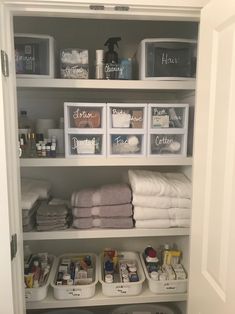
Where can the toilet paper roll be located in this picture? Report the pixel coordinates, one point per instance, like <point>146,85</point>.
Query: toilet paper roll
<point>42,126</point>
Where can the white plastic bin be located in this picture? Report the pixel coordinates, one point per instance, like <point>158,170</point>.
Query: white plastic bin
<point>65,292</point>
<point>40,293</point>
<point>120,288</point>
<point>166,286</point>
<point>146,309</point>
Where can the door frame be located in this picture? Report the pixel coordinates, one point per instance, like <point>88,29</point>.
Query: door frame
<point>171,10</point>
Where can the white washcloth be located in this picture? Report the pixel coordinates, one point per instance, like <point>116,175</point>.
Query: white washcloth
<point>160,201</point>
<point>28,200</point>
<point>145,213</point>
<point>162,223</point>
<point>39,187</point>
<point>145,182</point>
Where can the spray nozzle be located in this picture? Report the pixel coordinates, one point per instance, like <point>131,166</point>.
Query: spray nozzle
<point>111,42</point>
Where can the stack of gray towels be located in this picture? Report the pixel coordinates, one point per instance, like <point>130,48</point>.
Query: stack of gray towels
<point>160,199</point>
<point>33,192</point>
<point>52,216</point>
<point>108,206</point>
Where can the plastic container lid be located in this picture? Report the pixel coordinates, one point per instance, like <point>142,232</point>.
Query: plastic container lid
<point>108,278</point>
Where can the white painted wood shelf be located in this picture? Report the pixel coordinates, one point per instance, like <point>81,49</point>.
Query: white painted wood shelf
<point>103,161</point>
<point>104,233</point>
<point>188,84</point>
<point>99,299</point>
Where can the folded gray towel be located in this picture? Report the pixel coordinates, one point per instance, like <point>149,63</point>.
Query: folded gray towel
<point>112,194</point>
<point>123,210</point>
<point>46,210</point>
<point>119,223</point>
<point>52,227</point>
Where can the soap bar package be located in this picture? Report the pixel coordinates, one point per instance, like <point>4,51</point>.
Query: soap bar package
<point>74,63</point>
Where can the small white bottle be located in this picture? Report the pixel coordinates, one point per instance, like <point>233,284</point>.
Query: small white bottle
<point>99,67</point>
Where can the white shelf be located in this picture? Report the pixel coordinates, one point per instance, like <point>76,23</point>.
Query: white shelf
<point>104,233</point>
<point>106,84</point>
<point>103,161</point>
<point>99,299</point>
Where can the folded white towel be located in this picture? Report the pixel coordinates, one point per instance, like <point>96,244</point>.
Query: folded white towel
<point>162,223</point>
<point>145,213</point>
<point>145,182</point>
<point>39,187</point>
<point>160,201</point>
<point>28,200</point>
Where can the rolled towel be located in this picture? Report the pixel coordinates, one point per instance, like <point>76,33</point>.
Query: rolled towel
<point>112,194</point>
<point>123,210</point>
<point>145,213</point>
<point>160,201</point>
<point>145,182</point>
<point>117,223</point>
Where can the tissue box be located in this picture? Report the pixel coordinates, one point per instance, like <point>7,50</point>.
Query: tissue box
<point>74,63</point>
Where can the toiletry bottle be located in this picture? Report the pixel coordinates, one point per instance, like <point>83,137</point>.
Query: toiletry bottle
<point>24,121</point>
<point>99,67</point>
<point>111,59</point>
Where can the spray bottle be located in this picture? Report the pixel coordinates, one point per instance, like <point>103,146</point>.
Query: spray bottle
<point>111,59</point>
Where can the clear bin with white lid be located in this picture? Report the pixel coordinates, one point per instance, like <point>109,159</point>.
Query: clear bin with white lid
<point>121,288</point>
<point>76,291</point>
<point>40,293</point>
<point>164,286</point>
<point>146,309</point>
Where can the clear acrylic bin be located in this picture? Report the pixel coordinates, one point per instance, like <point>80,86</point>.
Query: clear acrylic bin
<point>126,144</point>
<point>85,145</point>
<point>167,144</point>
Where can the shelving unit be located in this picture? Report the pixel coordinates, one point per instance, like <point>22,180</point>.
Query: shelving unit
<point>45,98</point>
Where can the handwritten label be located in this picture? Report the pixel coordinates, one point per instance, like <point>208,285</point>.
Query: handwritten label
<point>166,59</point>
<point>164,140</point>
<point>169,286</point>
<point>75,292</point>
<point>83,114</point>
<point>85,146</point>
<point>122,289</point>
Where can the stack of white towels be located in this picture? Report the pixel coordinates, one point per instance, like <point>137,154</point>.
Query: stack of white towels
<point>32,193</point>
<point>161,200</point>
<point>108,206</point>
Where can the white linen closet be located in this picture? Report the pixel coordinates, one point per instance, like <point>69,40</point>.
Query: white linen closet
<point>207,246</point>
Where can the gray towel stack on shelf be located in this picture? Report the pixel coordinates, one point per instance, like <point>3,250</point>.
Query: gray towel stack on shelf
<point>32,193</point>
<point>160,200</point>
<point>108,206</point>
<point>53,216</point>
